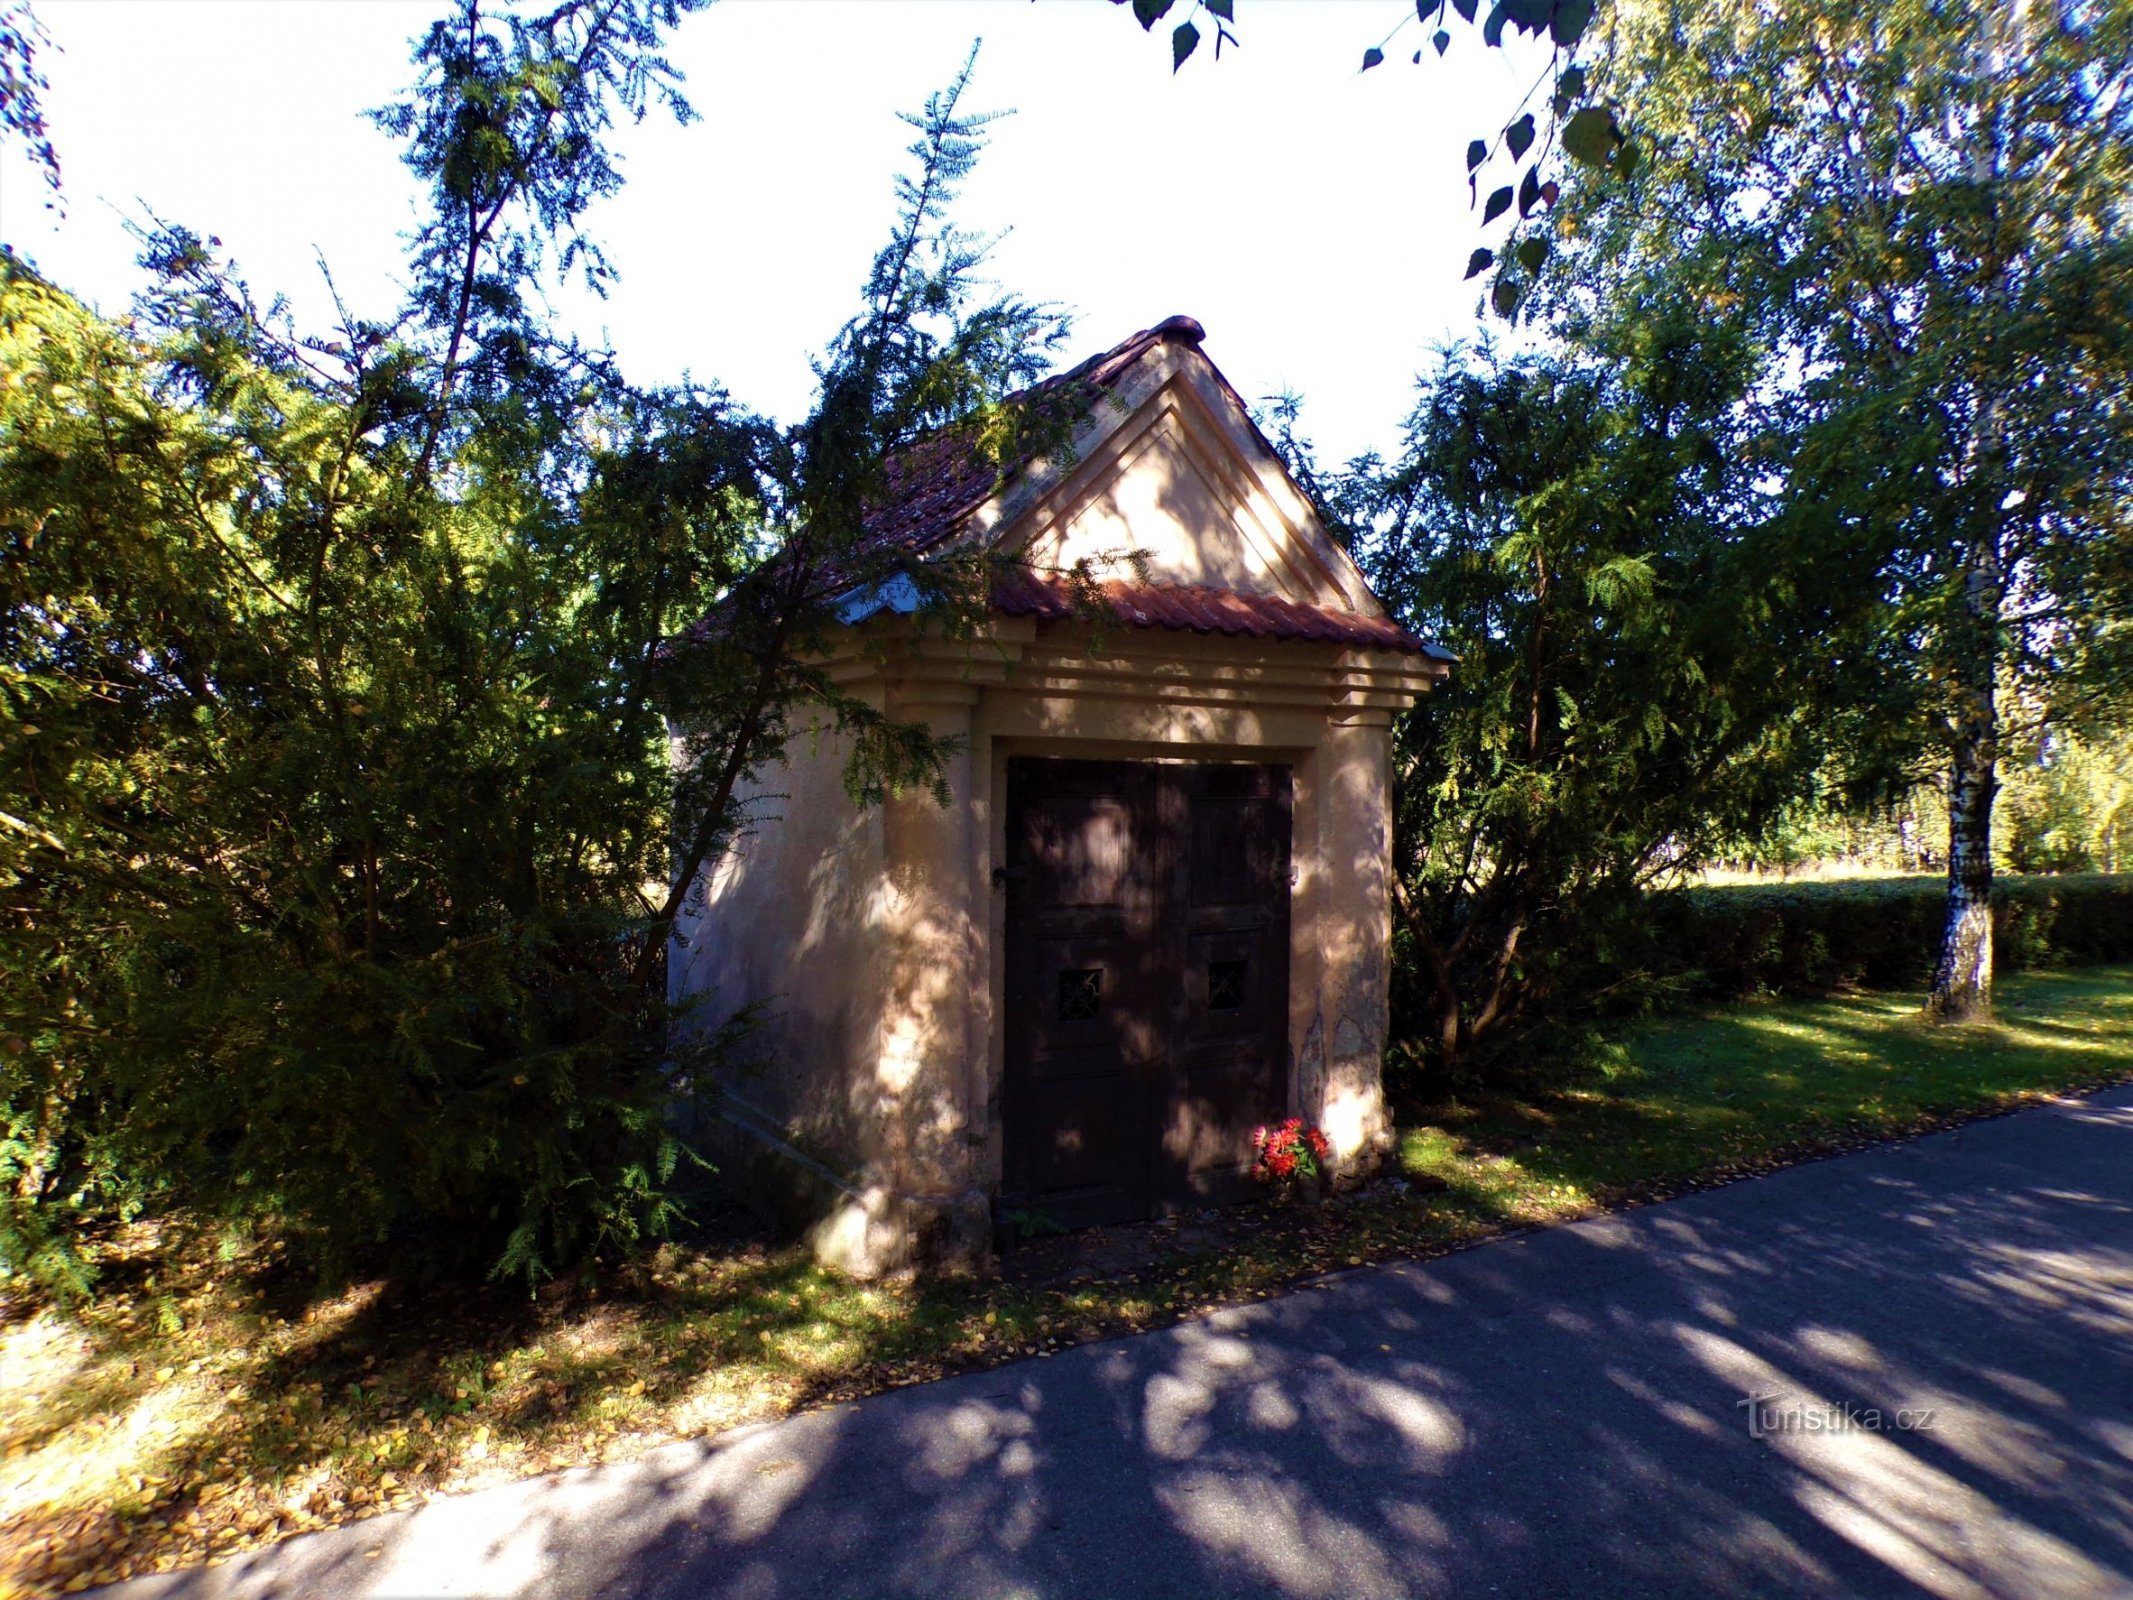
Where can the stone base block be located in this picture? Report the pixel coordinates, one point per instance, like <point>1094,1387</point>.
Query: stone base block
<point>877,1233</point>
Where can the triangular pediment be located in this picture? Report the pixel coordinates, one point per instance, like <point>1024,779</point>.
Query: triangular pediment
<point>1168,482</point>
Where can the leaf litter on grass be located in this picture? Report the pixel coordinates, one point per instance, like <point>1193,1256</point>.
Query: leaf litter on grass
<point>198,1408</point>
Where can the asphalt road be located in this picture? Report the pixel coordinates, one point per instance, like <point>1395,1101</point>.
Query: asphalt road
<point>1938,1336</point>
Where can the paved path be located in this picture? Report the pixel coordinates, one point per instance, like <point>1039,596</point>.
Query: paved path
<point>1559,1415</point>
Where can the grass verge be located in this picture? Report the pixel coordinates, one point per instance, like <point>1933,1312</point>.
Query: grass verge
<point>204,1405</point>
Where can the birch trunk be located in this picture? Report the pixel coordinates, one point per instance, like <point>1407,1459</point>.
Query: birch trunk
<point>1962,984</point>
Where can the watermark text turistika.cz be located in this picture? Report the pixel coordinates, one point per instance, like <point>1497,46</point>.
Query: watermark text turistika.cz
<point>1774,1414</point>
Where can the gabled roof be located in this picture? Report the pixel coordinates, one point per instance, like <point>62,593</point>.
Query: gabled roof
<point>942,491</point>
<point>938,481</point>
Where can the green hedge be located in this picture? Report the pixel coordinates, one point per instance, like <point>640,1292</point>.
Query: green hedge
<point>1881,933</point>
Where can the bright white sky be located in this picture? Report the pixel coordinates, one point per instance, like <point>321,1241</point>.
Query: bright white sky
<point>1314,218</point>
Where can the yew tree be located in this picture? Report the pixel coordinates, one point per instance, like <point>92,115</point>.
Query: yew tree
<point>371,695</point>
<point>1644,673</point>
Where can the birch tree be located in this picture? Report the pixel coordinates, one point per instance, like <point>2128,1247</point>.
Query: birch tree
<point>1922,208</point>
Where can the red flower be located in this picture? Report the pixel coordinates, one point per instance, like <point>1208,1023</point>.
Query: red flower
<point>1290,1149</point>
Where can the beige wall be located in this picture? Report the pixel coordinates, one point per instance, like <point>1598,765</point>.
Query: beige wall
<point>792,920</point>
<point>1338,1048</point>
<point>880,939</point>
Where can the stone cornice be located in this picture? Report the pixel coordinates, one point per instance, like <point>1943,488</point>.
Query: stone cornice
<point>1116,663</point>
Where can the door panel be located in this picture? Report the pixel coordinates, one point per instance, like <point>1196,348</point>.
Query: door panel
<point>1081,1025</point>
<point>1229,1034</point>
<point>1147,978</point>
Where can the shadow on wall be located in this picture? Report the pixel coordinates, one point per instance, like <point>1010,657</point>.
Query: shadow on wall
<point>1562,1414</point>
<point>1167,495</point>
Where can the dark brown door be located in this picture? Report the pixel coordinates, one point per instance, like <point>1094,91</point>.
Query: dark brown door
<point>1227,1050</point>
<point>1147,982</point>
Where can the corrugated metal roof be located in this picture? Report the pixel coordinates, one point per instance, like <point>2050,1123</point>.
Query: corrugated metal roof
<point>1184,608</point>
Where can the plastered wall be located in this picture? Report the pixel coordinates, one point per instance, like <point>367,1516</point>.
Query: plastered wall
<point>877,941</point>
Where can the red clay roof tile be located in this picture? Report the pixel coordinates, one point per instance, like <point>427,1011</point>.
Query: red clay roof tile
<point>1197,609</point>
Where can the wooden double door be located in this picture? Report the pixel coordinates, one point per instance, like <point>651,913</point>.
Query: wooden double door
<point>1147,983</point>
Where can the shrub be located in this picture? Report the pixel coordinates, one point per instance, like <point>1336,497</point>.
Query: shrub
<point>1874,933</point>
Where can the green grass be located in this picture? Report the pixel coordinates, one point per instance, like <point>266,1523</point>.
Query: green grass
<point>1686,1098</point>
<point>203,1405</point>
